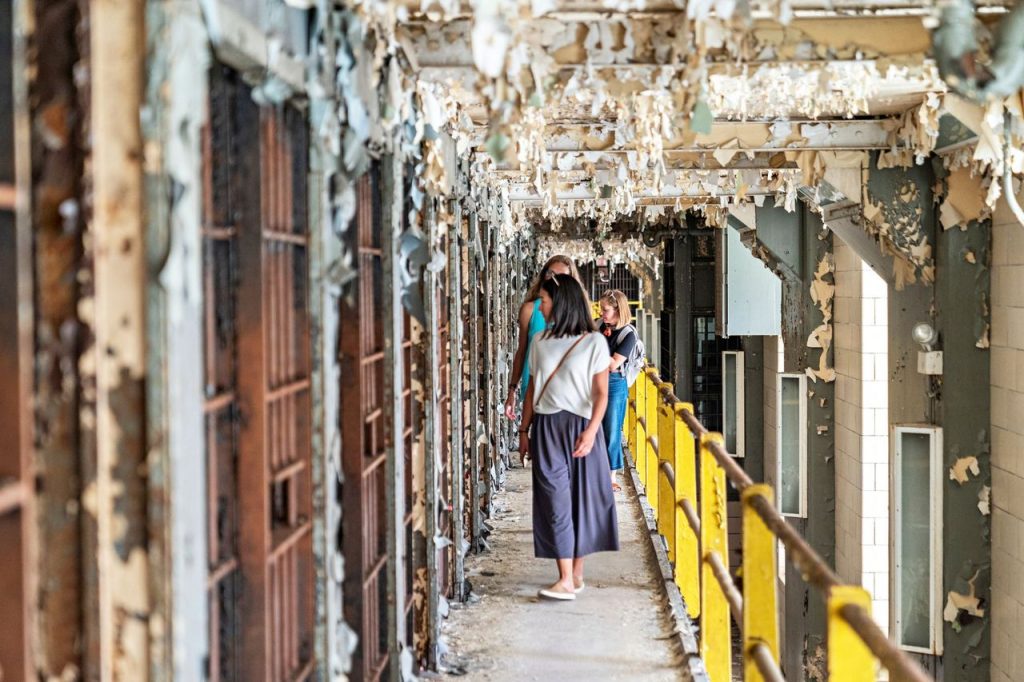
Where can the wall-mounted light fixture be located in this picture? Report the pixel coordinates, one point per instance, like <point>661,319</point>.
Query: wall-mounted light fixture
<point>929,360</point>
<point>925,335</point>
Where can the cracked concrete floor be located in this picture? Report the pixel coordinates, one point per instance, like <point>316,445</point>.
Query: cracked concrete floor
<point>617,629</point>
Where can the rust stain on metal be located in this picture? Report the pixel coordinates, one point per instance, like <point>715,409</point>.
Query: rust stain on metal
<point>60,105</point>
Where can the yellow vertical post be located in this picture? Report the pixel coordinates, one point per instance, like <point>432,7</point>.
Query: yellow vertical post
<point>666,453</point>
<point>715,638</point>
<point>651,465</point>
<point>849,659</point>
<point>640,453</point>
<point>760,619</point>
<point>631,419</point>
<point>687,541</point>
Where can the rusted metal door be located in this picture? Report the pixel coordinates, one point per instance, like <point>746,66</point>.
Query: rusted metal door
<point>258,405</point>
<point>220,324</point>
<point>364,528</point>
<point>16,489</point>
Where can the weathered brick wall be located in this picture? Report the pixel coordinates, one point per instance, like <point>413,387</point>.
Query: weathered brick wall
<point>862,449</point>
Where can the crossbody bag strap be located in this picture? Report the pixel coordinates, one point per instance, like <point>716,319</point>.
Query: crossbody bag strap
<point>618,342</point>
<point>558,367</point>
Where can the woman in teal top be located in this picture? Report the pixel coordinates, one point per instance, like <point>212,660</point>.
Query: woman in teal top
<point>537,324</point>
<point>531,321</point>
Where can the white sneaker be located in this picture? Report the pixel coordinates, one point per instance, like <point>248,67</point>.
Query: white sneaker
<point>558,596</point>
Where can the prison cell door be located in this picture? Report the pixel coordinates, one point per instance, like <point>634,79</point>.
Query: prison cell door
<point>364,539</point>
<point>258,409</point>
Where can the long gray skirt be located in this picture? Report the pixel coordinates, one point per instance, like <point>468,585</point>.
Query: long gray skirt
<point>573,503</point>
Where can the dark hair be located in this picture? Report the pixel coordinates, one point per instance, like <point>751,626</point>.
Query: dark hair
<point>570,308</point>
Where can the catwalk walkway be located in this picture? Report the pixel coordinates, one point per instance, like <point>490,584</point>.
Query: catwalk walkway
<point>617,629</point>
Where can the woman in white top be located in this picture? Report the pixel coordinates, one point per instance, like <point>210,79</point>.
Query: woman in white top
<point>573,504</point>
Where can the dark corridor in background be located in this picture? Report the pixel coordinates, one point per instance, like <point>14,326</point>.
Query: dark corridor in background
<point>598,279</point>
<point>688,326</point>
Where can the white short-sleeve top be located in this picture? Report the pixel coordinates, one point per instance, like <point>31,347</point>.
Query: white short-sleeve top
<point>571,388</point>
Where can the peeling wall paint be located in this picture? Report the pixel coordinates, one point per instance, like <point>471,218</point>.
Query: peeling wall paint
<point>894,213</point>
<point>117,497</point>
<point>823,291</point>
<point>174,114</point>
<point>961,289</point>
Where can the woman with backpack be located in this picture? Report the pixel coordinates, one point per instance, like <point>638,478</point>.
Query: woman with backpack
<point>622,339</point>
<point>573,505</point>
<point>531,321</point>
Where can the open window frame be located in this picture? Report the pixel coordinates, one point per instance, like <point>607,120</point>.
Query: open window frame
<point>934,481</point>
<point>733,391</point>
<point>783,458</point>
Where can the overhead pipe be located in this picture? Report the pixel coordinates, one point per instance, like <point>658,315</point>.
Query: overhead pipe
<point>955,48</point>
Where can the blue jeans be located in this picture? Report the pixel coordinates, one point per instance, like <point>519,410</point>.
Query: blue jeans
<point>614,416</point>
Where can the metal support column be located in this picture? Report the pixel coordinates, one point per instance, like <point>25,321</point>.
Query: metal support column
<point>455,337</point>
<point>475,352</point>
<point>432,424</point>
<point>118,500</point>
<point>490,371</point>
<point>394,387</point>
<point>683,317</point>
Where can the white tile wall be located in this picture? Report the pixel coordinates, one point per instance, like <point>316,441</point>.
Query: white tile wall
<point>862,444</point>
<point>1007,405</point>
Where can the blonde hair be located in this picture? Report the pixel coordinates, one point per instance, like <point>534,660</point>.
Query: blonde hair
<point>616,299</point>
<point>534,293</point>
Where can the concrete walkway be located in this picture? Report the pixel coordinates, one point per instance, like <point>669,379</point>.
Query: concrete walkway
<point>617,629</point>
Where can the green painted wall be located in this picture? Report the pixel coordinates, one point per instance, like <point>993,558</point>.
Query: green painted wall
<point>961,304</point>
<point>798,243</point>
<point>956,304</point>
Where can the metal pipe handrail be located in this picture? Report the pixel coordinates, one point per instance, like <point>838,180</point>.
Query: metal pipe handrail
<point>688,511</point>
<point>669,472</point>
<point>725,581</point>
<point>691,516</point>
<point>653,442</point>
<point>812,567</point>
<point>766,665</point>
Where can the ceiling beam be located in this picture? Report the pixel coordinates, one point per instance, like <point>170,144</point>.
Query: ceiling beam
<point>582,192</point>
<point>732,141</point>
<point>414,9</point>
<point>855,87</point>
<point>649,40</point>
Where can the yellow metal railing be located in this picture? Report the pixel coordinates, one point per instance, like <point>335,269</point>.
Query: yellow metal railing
<point>664,435</point>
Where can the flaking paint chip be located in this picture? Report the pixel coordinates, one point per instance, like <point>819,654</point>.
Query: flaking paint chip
<point>956,602</point>
<point>985,500</point>
<point>958,472</point>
